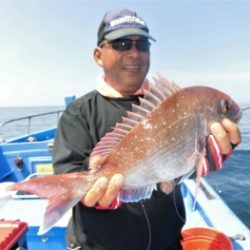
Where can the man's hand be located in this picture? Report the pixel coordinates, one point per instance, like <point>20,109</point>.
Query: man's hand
<point>104,192</point>
<point>226,134</point>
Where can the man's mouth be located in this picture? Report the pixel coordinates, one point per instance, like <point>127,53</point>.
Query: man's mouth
<point>132,68</point>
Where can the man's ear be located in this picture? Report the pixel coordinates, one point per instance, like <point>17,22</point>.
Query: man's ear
<point>98,56</point>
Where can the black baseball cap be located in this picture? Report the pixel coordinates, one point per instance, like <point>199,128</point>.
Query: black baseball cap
<point>121,23</point>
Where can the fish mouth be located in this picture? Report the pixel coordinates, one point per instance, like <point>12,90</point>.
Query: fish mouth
<point>238,116</point>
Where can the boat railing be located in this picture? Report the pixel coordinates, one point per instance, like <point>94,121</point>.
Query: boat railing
<point>29,118</point>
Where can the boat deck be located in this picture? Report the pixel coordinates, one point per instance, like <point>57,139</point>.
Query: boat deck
<point>206,214</point>
<point>212,211</point>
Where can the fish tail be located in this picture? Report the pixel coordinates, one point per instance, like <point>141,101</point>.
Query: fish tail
<point>57,207</point>
<point>45,186</point>
<point>61,192</point>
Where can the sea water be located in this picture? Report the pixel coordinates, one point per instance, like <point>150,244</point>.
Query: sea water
<point>232,182</point>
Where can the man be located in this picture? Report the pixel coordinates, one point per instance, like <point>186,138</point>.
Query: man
<point>101,221</point>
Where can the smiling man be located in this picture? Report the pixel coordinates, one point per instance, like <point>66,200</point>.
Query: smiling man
<point>101,221</point>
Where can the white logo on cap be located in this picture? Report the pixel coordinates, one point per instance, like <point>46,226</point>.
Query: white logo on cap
<point>126,19</point>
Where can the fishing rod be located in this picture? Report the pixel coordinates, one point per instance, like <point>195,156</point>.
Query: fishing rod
<point>244,109</point>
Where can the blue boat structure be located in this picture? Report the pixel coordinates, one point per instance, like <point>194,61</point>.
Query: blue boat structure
<point>30,155</point>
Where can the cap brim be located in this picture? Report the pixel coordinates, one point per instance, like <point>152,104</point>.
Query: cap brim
<point>116,34</point>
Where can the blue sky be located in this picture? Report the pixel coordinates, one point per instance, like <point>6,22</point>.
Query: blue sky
<point>46,46</point>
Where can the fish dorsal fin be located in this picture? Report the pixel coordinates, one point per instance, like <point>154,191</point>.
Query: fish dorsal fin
<point>159,91</point>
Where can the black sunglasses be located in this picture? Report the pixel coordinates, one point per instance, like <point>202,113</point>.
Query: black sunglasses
<point>142,45</point>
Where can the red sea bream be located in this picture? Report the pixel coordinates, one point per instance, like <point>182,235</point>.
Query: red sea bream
<point>162,139</point>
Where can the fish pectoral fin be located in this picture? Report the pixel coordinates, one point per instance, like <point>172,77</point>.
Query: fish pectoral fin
<point>58,205</point>
<point>136,194</point>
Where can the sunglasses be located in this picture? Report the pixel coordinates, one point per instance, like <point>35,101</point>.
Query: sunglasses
<point>141,45</point>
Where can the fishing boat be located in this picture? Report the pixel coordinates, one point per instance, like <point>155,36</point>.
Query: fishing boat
<point>210,222</point>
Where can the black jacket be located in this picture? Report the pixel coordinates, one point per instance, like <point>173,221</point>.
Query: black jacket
<point>154,223</point>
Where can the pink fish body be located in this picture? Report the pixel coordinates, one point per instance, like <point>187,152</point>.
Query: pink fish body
<point>162,139</point>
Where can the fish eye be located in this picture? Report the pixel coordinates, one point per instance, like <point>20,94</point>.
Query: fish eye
<point>225,105</point>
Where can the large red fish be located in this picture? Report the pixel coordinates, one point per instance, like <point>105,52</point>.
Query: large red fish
<point>162,139</point>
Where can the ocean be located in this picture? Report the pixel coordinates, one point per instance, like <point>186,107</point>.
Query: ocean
<point>232,182</point>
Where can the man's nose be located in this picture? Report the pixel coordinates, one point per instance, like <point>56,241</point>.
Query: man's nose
<point>134,49</point>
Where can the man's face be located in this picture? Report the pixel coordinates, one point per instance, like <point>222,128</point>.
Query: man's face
<point>125,70</point>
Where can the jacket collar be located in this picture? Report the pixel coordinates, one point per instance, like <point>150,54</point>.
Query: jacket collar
<point>106,90</point>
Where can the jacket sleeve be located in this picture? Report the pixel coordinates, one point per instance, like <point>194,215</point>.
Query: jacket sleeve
<point>73,142</point>
<point>72,146</point>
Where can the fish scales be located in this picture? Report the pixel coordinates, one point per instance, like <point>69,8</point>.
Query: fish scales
<point>158,146</point>
<point>153,144</point>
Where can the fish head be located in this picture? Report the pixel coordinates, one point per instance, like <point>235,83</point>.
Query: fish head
<point>225,106</point>
<point>230,109</point>
<point>214,104</point>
